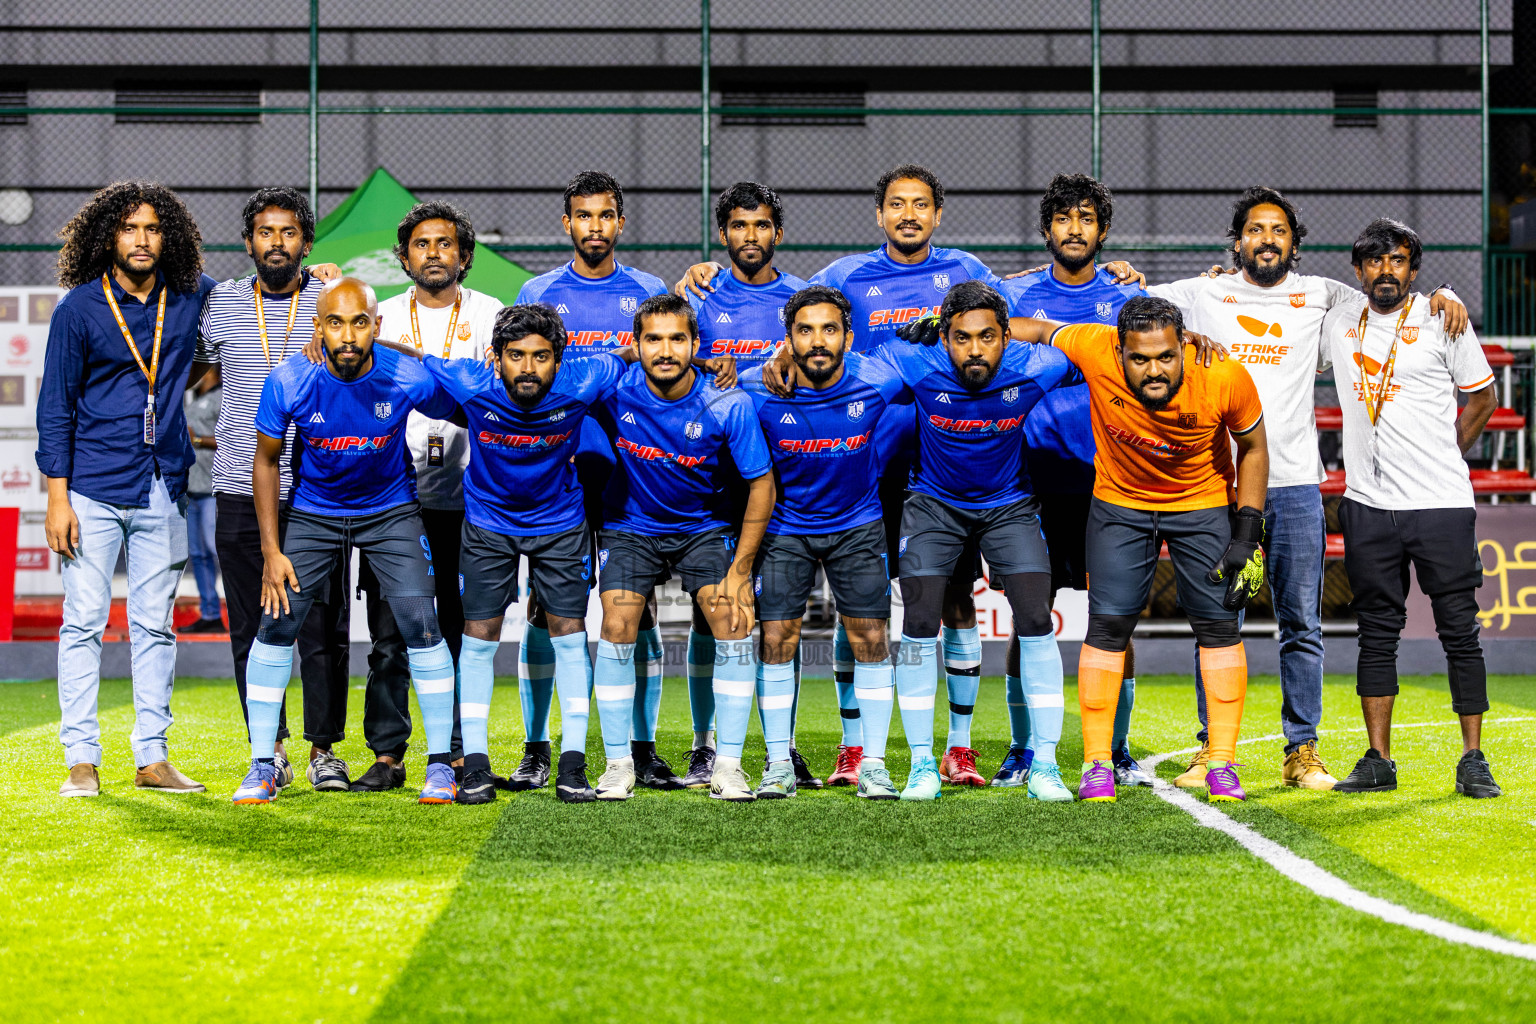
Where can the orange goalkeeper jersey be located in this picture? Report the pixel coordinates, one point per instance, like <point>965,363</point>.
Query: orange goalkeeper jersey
<point>1176,459</point>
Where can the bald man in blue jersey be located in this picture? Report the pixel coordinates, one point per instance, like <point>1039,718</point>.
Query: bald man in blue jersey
<point>354,486</point>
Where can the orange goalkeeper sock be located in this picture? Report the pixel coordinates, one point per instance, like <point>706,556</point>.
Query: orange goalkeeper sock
<point>1225,672</point>
<point>1098,691</point>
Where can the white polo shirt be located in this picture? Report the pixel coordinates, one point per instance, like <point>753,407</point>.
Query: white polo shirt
<point>1418,463</point>
<point>441,487</point>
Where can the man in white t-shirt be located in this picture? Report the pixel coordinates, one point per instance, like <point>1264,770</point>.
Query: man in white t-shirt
<point>1409,495</point>
<point>1270,318</point>
<point>438,315</point>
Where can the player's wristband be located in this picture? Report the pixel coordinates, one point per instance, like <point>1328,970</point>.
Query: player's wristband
<point>1248,526</point>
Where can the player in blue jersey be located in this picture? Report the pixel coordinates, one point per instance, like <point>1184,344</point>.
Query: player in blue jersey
<point>596,297</point>
<point>904,279</point>
<point>827,468</point>
<point>742,317</point>
<point>970,490</point>
<point>1075,215</point>
<point>669,507</point>
<point>521,497</point>
<point>354,486</point>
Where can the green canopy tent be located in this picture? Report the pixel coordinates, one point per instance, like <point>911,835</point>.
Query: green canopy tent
<point>359,236</point>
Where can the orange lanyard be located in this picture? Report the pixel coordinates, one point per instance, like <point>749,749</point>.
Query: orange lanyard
<point>153,369</point>
<point>261,322</point>
<point>1376,394</point>
<point>453,321</point>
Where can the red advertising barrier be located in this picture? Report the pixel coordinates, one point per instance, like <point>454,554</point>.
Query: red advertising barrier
<point>10,519</point>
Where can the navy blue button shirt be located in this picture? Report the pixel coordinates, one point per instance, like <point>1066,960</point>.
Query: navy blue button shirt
<point>90,412</point>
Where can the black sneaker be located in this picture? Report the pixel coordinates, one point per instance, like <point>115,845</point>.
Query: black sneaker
<point>202,626</point>
<point>1373,774</point>
<point>803,777</point>
<point>701,766</point>
<point>651,770</point>
<point>380,777</point>
<point>533,771</point>
<point>477,788</point>
<point>1474,778</point>
<point>571,784</point>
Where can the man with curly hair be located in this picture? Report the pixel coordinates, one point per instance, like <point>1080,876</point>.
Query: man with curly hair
<point>114,447</point>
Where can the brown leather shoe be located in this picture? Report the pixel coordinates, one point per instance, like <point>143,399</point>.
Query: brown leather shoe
<point>82,781</point>
<point>163,776</point>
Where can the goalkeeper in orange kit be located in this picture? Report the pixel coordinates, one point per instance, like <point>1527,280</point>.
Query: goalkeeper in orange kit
<point>1165,427</point>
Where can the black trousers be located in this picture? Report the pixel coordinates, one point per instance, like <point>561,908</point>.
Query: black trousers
<point>1441,545</point>
<point>387,707</point>
<point>324,650</point>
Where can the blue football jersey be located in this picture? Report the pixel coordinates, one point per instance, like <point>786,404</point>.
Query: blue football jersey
<point>970,444</point>
<point>599,315</point>
<point>885,294</point>
<point>520,481</point>
<point>743,320</point>
<point>350,454</point>
<point>1058,431</point>
<point>823,445</point>
<point>677,460</point>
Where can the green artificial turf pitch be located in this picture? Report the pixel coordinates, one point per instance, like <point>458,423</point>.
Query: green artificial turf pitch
<point>672,907</point>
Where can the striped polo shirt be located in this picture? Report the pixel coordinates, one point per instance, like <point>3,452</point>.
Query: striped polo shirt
<point>228,336</point>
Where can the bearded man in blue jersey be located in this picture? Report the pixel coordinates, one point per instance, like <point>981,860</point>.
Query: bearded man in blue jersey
<point>1075,216</point>
<point>354,486</point>
<point>683,447</point>
<point>969,491</point>
<point>740,317</point>
<point>596,297</point>
<point>827,465</point>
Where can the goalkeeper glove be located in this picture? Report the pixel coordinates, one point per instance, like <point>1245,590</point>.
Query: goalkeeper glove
<point>1242,564</point>
<point>922,331</point>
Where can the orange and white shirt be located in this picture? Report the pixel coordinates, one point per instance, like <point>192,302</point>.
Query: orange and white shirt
<point>1177,459</point>
<point>1414,461</point>
<point>1276,333</point>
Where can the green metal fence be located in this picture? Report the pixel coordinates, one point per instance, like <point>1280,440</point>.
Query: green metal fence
<point>1091,112</point>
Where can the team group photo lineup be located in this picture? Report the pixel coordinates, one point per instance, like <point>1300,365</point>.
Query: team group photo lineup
<point>905,428</point>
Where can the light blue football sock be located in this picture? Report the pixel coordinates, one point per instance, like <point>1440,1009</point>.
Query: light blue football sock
<point>962,672</point>
<point>775,696</point>
<point>535,682</point>
<point>1018,712</point>
<point>873,686</point>
<point>1123,713</point>
<point>573,681</point>
<point>477,681</point>
<point>433,676</point>
<point>613,685</point>
<point>735,680</point>
<point>917,682</point>
<point>1040,667</point>
<point>267,670</point>
<point>842,676</point>
<point>701,685</point>
<point>647,705</point>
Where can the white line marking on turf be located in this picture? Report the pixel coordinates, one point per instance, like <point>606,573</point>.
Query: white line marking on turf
<point>1327,885</point>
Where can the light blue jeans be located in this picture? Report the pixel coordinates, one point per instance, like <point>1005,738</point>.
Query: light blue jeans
<point>201,516</point>
<point>157,553</point>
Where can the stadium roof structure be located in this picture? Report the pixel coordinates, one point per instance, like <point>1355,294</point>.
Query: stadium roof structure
<point>359,236</point>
